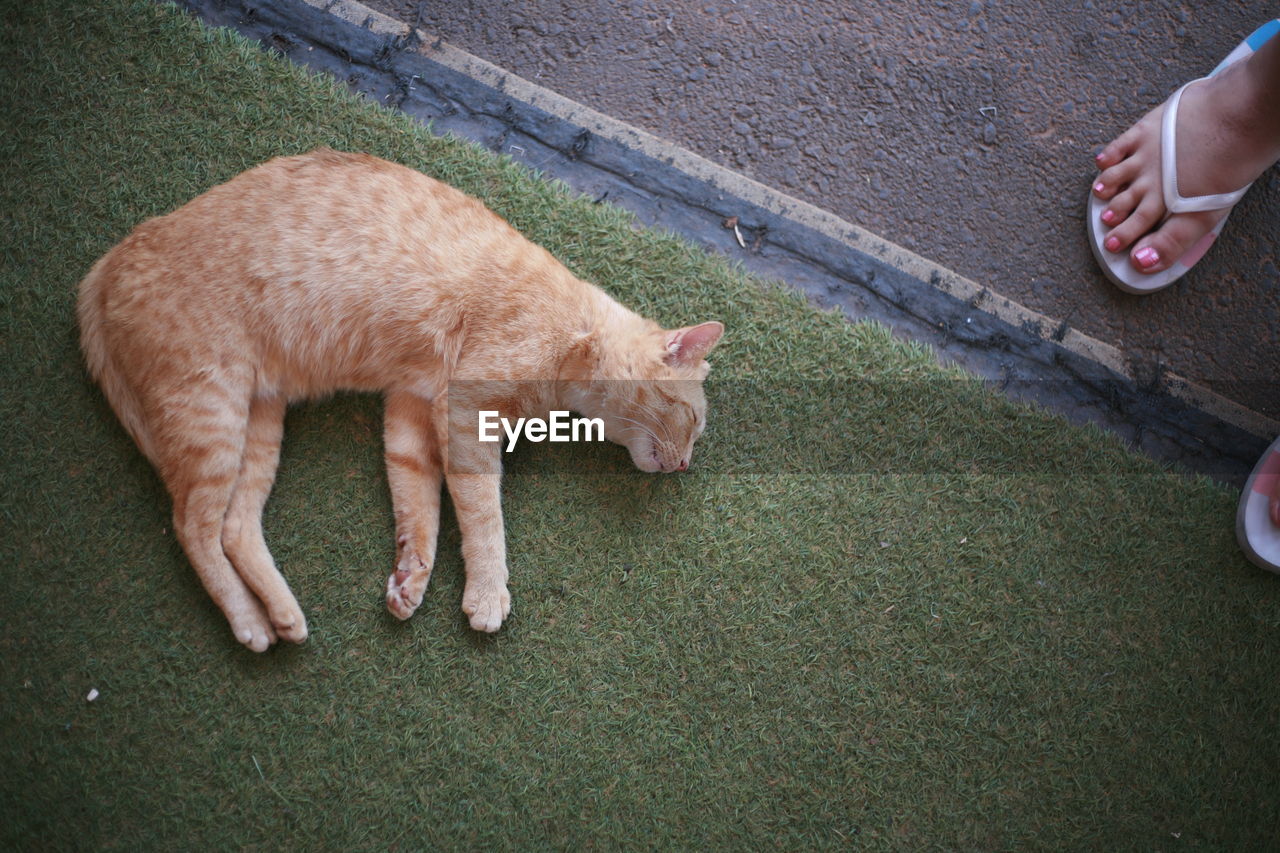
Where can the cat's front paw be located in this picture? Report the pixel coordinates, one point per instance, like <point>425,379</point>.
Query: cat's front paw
<point>407,585</point>
<point>486,603</point>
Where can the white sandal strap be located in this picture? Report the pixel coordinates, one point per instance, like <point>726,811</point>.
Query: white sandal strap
<point>1174,202</point>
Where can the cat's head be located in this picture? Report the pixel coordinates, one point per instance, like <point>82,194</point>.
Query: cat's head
<point>647,388</point>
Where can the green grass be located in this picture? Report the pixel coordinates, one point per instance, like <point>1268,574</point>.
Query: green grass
<point>885,609</point>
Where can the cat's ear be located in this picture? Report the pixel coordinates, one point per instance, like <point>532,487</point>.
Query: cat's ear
<point>690,345</point>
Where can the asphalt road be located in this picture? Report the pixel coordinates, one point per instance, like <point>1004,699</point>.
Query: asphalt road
<point>963,131</point>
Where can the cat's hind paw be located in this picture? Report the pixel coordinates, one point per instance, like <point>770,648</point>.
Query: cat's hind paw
<point>291,626</point>
<point>486,603</point>
<point>253,630</point>
<point>406,586</point>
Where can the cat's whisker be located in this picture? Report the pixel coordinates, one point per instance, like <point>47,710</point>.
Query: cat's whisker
<point>640,426</point>
<point>649,409</point>
<point>659,420</point>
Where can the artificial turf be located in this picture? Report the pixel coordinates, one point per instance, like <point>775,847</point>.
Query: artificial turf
<point>885,609</point>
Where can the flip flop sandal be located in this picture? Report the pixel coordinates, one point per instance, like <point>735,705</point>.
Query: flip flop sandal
<point>1257,534</point>
<point>1116,265</point>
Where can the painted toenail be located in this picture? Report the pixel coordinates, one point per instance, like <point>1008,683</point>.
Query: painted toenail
<point>1099,187</point>
<point>1112,244</point>
<point>1109,216</point>
<point>1146,257</point>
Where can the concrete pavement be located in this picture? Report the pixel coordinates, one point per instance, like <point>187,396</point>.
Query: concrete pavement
<point>953,141</point>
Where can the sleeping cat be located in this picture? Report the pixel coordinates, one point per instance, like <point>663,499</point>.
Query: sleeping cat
<point>332,271</point>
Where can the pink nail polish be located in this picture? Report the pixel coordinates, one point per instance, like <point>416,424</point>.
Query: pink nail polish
<point>1099,187</point>
<point>1108,216</point>
<point>1146,257</point>
<point>1112,244</point>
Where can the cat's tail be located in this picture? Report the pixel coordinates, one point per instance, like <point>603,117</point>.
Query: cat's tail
<point>97,353</point>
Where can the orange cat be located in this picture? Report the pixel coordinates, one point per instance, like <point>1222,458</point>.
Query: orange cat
<point>336,271</point>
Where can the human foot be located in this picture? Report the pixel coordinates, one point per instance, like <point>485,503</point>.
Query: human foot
<point>1258,515</point>
<point>1274,497</point>
<point>1227,133</point>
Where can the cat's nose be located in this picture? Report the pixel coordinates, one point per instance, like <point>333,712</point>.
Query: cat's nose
<point>683,466</point>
